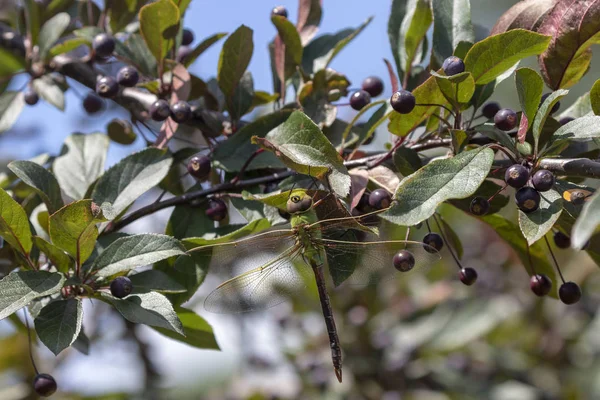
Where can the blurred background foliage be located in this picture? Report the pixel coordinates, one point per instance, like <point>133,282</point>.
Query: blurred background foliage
<point>426,336</point>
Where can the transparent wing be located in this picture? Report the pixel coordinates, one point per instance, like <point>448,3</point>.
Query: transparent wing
<point>369,262</point>
<point>262,287</point>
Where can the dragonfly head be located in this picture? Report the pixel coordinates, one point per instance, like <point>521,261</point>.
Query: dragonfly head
<point>298,204</point>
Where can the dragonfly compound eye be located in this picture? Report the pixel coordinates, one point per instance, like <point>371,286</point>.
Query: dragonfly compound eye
<point>297,204</point>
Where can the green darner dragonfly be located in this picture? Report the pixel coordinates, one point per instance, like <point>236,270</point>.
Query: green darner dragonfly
<point>269,267</point>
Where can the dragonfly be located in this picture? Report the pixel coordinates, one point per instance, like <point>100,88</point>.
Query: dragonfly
<point>270,267</point>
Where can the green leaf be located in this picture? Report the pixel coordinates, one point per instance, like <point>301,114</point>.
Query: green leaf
<point>159,24</point>
<point>579,108</point>
<point>11,105</point>
<point>489,58</point>
<point>11,63</point>
<point>453,238</point>
<point>189,221</point>
<point>122,13</point>
<point>59,324</point>
<point>67,46</point>
<point>251,228</point>
<point>134,251</point>
<point>57,257</point>
<point>419,194</point>
<point>82,343</point>
<point>595,97</point>
<point>486,190</point>
<point>188,271</point>
<point>18,289</point>
<point>303,147</point>
<point>458,88</point>
<point>290,37</point>
<point>198,333</point>
<point>451,27</point>
<point>398,15</point>
<point>154,280</point>
<point>136,50</point>
<point>489,130</point>
<point>81,162</point>
<point>536,224</point>
<point>415,25</point>
<point>321,51</point>
<point>33,19</point>
<point>50,91</point>
<point>242,99</point>
<point>133,176</point>
<point>51,31</point>
<point>73,229</point>
<point>14,224</point>
<point>202,47</point>
<point>152,309</point>
<point>120,131</point>
<point>544,113</point>
<point>407,160</point>
<point>41,180</point>
<point>583,128</point>
<point>233,61</point>
<point>587,222</point>
<point>529,88</point>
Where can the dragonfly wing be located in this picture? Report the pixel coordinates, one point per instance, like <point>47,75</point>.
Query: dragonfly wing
<point>369,262</point>
<point>262,287</point>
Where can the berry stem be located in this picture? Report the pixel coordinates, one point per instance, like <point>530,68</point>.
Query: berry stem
<point>456,260</point>
<point>554,259</point>
<point>497,192</point>
<point>237,178</point>
<point>29,341</point>
<point>530,261</point>
<point>437,105</point>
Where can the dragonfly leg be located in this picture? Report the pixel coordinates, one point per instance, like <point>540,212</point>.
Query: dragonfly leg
<point>334,341</point>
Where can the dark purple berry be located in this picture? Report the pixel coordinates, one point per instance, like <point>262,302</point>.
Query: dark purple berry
<point>217,209</point>
<point>44,385</point>
<point>121,287</point>
<point>527,199</point>
<point>543,180</point>
<point>182,53</point>
<point>403,101</point>
<point>360,99</point>
<point>556,105</point>
<point>453,66</point>
<point>516,176</point>
<point>490,109</point>
<point>404,261</point>
<point>373,85</point>
<point>30,96</point>
<point>199,167</point>
<point>578,197</point>
<point>380,199</point>
<point>107,86</point>
<point>103,45</point>
<point>187,37</point>
<point>280,11</point>
<point>479,206</point>
<point>181,112</point>
<point>128,76</point>
<point>468,276</point>
<point>92,103</point>
<point>565,120</point>
<point>160,110</point>
<point>540,284</point>
<point>505,119</point>
<point>561,240</point>
<point>434,240</point>
<point>569,293</point>
<point>363,203</point>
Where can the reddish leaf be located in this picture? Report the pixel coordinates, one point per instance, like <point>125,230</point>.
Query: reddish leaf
<point>523,127</point>
<point>279,54</point>
<point>393,78</point>
<point>359,179</point>
<point>574,26</point>
<point>527,14</point>
<point>182,84</point>
<point>167,130</point>
<point>309,18</point>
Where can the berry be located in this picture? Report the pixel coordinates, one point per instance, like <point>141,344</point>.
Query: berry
<point>556,105</point>
<point>569,293</point>
<point>182,53</point>
<point>92,103</point>
<point>187,37</point>
<point>453,65</point>
<point>578,197</point>
<point>527,199</point>
<point>404,261</point>
<point>490,109</point>
<point>107,86</point>
<point>561,240</point>
<point>434,240</point>
<point>217,210</point>
<point>280,10</point>
<point>479,206</point>
<point>468,276</point>
<point>380,199</point>
<point>121,287</point>
<point>103,45</point>
<point>199,167</point>
<point>31,97</point>
<point>505,119</point>
<point>360,99</point>
<point>565,120</point>
<point>128,76</point>
<point>181,112</point>
<point>373,85</point>
<point>540,284</point>
<point>543,180</point>
<point>363,203</point>
<point>403,101</point>
<point>516,176</point>
<point>159,110</point>
<point>44,385</point>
